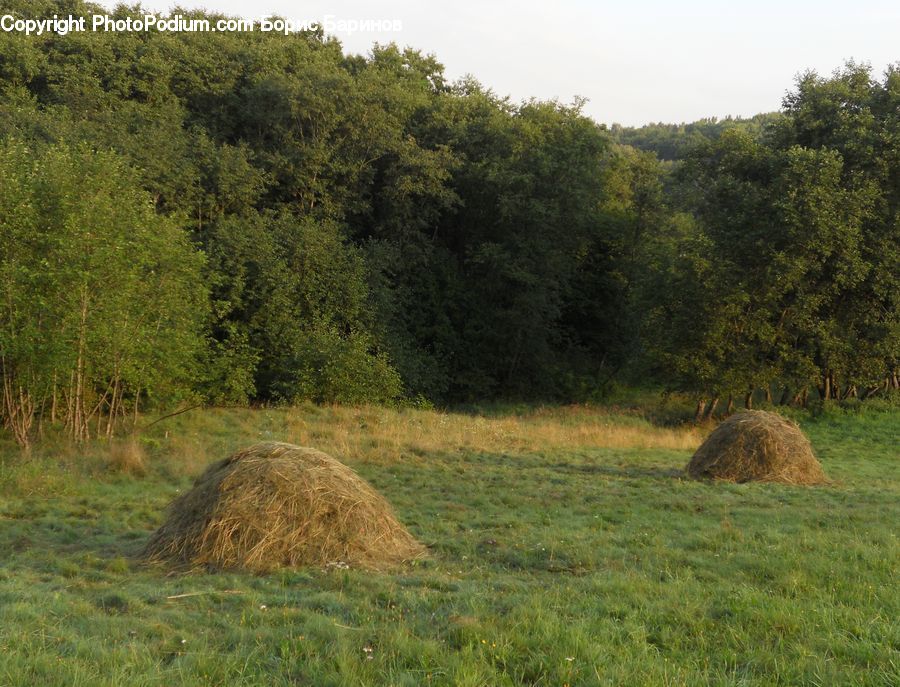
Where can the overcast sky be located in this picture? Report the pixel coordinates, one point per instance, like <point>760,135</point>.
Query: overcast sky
<point>636,62</point>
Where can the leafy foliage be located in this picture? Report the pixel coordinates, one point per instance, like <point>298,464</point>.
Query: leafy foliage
<point>369,231</point>
<point>102,295</point>
<point>791,270</point>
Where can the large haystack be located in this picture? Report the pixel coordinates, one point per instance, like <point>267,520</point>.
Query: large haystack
<point>274,505</point>
<point>755,445</point>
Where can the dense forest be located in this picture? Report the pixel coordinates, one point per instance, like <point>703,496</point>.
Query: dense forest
<point>238,218</point>
<point>672,142</point>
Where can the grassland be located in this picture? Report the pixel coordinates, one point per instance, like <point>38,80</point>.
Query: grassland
<point>566,549</point>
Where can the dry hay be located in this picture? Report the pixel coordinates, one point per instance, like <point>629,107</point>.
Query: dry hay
<point>756,445</point>
<point>278,505</point>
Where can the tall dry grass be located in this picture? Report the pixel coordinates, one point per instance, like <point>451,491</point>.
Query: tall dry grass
<point>373,433</point>
<point>128,456</point>
<point>190,442</point>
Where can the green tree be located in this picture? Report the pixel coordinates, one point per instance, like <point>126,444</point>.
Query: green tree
<point>103,300</point>
<point>293,296</point>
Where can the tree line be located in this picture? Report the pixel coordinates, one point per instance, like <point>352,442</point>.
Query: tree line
<point>253,217</point>
<point>671,142</point>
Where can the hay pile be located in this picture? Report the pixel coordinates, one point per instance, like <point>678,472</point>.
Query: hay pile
<point>274,505</point>
<point>755,445</point>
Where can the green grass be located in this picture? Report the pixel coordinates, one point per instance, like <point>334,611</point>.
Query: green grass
<point>578,565</point>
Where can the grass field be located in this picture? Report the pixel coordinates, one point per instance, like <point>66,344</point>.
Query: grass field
<point>566,549</point>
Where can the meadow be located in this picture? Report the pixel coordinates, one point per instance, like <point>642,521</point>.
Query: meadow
<point>565,548</point>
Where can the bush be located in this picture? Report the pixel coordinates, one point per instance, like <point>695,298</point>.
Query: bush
<point>327,367</point>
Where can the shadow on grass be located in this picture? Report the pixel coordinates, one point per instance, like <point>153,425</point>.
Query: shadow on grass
<point>667,412</point>
<point>57,541</point>
<point>586,465</point>
<point>621,471</point>
<point>470,474</point>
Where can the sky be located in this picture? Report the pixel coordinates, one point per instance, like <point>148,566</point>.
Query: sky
<point>636,62</point>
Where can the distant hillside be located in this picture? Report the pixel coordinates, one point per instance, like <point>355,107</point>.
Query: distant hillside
<point>670,141</point>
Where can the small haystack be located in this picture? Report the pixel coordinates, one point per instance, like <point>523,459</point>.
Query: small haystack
<point>755,445</point>
<point>274,505</point>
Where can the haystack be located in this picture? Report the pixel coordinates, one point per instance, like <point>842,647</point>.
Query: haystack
<point>756,445</point>
<point>278,505</point>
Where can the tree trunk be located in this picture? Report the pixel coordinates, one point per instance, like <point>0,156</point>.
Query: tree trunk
<point>748,400</point>
<point>768,394</point>
<point>730,409</point>
<point>17,419</point>
<point>68,395</point>
<point>871,391</point>
<point>80,428</point>
<point>825,390</point>
<point>698,415</point>
<point>53,402</point>
<point>114,403</point>
<point>18,409</point>
<point>711,408</point>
